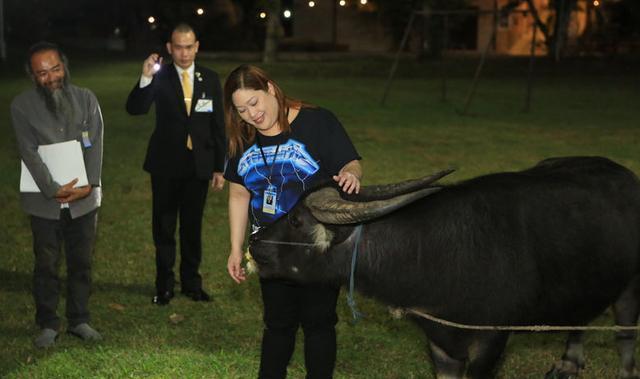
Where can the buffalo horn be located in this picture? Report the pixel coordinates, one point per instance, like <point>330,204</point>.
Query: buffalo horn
<point>328,207</point>
<point>388,191</point>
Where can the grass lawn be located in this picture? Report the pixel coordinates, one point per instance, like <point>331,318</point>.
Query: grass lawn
<point>590,112</point>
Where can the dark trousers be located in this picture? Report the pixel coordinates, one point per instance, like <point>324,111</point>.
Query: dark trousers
<point>78,238</point>
<point>173,198</point>
<point>286,306</point>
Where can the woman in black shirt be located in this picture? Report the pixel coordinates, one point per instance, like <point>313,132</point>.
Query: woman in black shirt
<point>278,148</point>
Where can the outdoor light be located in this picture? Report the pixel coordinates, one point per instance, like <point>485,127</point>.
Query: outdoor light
<point>151,19</point>
<point>200,11</point>
<point>263,15</point>
<point>312,4</point>
<point>287,13</point>
<point>342,3</point>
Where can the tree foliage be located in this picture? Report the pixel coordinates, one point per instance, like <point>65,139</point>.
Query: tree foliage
<point>616,21</point>
<point>396,13</point>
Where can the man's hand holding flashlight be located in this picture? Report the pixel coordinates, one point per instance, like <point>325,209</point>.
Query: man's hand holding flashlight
<point>151,65</point>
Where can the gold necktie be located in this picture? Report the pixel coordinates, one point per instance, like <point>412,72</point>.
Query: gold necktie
<point>187,89</point>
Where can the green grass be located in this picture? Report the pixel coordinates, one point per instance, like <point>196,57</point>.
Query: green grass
<point>590,112</point>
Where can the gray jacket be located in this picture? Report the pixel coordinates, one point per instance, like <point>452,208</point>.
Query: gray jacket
<point>35,125</point>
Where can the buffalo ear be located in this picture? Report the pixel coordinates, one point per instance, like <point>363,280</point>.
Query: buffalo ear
<point>294,219</point>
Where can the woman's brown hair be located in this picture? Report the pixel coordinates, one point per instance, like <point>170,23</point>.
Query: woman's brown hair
<point>251,77</point>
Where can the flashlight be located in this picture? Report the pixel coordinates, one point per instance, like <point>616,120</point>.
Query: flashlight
<point>156,67</point>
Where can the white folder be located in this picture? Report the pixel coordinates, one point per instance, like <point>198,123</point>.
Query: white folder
<point>64,161</point>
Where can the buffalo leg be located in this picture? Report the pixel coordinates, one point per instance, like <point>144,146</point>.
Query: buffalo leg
<point>484,354</point>
<point>446,367</point>
<point>626,310</point>
<point>572,360</point>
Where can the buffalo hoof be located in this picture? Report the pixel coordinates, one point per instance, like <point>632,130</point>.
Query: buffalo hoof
<point>554,373</point>
<point>563,370</point>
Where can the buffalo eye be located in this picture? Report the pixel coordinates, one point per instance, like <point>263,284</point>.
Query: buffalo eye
<point>294,220</point>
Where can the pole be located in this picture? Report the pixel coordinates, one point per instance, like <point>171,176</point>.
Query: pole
<point>532,56</point>
<point>3,45</point>
<point>334,29</point>
<point>445,42</point>
<point>476,77</point>
<point>495,23</point>
<point>395,62</point>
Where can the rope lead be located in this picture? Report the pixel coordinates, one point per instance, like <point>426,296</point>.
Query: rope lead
<point>518,328</point>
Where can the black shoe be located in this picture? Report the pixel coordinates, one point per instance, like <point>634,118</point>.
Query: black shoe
<point>198,295</point>
<point>162,298</point>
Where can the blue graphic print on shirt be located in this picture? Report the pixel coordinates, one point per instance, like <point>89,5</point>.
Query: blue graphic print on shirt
<point>290,172</point>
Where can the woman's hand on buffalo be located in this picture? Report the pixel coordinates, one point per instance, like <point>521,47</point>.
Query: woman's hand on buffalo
<point>348,181</point>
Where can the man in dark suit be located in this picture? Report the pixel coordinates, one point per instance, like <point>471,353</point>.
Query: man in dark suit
<point>185,152</point>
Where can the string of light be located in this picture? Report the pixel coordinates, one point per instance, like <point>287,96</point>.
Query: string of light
<point>287,13</point>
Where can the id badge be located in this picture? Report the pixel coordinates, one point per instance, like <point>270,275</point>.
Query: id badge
<point>85,139</point>
<point>204,106</point>
<point>269,200</point>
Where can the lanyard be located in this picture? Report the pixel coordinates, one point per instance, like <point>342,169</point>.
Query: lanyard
<point>264,158</point>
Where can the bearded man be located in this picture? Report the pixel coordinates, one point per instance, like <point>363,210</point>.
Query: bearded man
<point>62,215</point>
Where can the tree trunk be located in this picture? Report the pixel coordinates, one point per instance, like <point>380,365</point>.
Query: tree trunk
<point>3,46</point>
<point>563,15</point>
<point>274,32</point>
<point>557,38</point>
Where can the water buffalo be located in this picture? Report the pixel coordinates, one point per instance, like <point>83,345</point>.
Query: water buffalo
<point>555,244</point>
